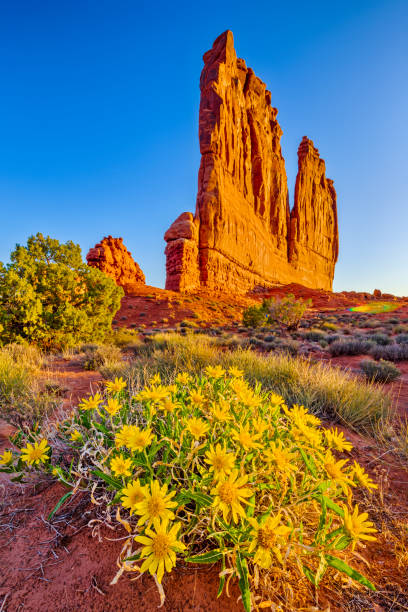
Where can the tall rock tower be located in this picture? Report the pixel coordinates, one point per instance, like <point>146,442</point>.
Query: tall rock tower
<point>243,235</point>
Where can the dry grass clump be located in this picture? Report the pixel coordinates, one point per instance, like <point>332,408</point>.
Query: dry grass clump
<point>381,371</point>
<point>24,398</point>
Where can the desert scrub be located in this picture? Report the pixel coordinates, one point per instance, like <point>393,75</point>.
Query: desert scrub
<point>402,338</point>
<point>393,352</point>
<point>381,339</point>
<point>24,400</point>
<point>349,347</point>
<point>380,371</point>
<point>315,335</point>
<point>207,469</point>
<point>101,356</point>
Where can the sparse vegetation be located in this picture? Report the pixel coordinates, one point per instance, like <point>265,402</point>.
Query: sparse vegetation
<point>24,400</point>
<point>350,347</point>
<point>380,371</point>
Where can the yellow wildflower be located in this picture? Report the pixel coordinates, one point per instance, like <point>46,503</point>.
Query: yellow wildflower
<point>115,386</point>
<point>334,470</point>
<point>138,439</point>
<point>276,400</point>
<point>197,427</point>
<point>112,407</point>
<point>362,477</point>
<point>336,440</point>
<point>169,405</point>
<point>303,433</point>
<point>221,411</point>
<point>197,398</point>
<point>246,438</point>
<point>159,548</point>
<point>238,385</point>
<point>357,526</point>
<point>154,394</point>
<point>301,416</point>
<point>267,539</point>
<point>220,460</point>
<point>121,437</point>
<point>260,425</point>
<point>121,466</point>
<point>6,457</point>
<point>214,371</point>
<point>76,435</point>
<point>235,372</point>
<point>155,380</point>
<point>91,403</point>
<point>35,454</point>
<point>230,493</point>
<point>248,398</point>
<point>281,457</point>
<point>156,504</point>
<point>133,494</point>
<point>183,378</point>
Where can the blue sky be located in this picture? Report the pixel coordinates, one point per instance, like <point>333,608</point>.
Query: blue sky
<point>99,118</point>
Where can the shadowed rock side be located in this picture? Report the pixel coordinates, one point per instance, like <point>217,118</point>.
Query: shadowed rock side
<point>240,235</point>
<point>112,257</point>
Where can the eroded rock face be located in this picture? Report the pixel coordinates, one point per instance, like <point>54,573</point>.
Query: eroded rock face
<point>112,257</point>
<point>241,234</point>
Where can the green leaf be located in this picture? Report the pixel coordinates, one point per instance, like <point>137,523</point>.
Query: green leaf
<point>342,566</point>
<point>251,506</point>
<point>309,462</point>
<point>309,574</point>
<point>333,506</point>
<point>243,582</point>
<point>203,500</point>
<point>222,579</point>
<point>59,504</point>
<point>211,556</point>
<point>116,484</point>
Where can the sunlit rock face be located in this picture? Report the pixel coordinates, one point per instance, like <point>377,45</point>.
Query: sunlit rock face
<point>243,235</point>
<point>112,257</point>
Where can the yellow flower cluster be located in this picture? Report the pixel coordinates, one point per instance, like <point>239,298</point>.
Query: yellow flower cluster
<point>211,457</point>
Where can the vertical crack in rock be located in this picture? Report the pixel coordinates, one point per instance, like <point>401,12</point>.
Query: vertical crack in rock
<point>242,235</point>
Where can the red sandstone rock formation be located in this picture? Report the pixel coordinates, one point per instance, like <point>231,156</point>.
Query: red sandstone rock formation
<point>242,234</point>
<point>112,257</point>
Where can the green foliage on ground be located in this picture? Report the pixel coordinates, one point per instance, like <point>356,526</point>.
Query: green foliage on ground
<point>380,371</point>
<point>49,297</point>
<point>286,312</point>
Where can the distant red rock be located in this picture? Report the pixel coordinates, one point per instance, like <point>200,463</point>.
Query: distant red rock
<point>112,257</point>
<point>243,235</point>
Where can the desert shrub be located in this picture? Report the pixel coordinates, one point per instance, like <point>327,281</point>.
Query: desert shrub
<point>380,371</point>
<point>400,329</point>
<point>102,356</point>
<point>349,347</point>
<point>330,326</point>
<point>254,316</point>
<point>286,311</point>
<point>208,470</point>
<point>315,335</point>
<point>50,298</point>
<point>402,339</point>
<point>372,323</point>
<point>393,352</point>
<point>23,399</point>
<point>382,339</point>
<point>121,337</point>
